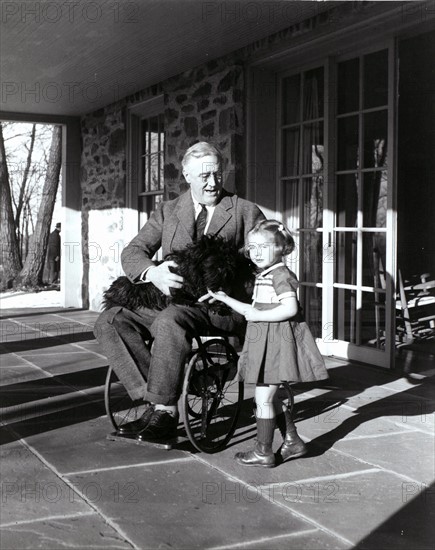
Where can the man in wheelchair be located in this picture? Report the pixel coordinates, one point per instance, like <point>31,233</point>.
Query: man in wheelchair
<point>206,208</point>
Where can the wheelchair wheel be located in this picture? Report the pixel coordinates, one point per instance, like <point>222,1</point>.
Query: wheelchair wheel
<point>211,396</point>
<point>120,408</point>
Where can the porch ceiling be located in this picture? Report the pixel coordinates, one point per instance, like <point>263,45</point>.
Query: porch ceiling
<point>70,58</point>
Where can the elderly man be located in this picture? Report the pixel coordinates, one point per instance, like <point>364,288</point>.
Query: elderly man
<point>205,208</point>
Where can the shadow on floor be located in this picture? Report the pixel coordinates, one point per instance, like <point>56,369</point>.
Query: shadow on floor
<point>412,527</point>
<point>46,342</point>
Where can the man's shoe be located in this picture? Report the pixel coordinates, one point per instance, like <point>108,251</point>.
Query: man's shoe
<point>261,455</point>
<point>162,425</point>
<point>136,426</point>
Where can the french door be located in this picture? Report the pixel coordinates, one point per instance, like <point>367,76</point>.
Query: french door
<point>336,159</point>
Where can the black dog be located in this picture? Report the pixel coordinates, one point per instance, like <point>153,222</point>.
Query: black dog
<point>210,263</point>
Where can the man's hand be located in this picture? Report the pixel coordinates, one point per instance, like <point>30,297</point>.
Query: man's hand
<point>163,278</point>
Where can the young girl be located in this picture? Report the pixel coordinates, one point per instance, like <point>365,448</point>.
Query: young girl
<point>279,346</point>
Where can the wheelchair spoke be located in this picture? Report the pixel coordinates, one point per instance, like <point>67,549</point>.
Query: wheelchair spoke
<point>210,389</point>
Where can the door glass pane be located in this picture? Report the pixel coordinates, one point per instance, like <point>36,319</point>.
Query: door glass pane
<point>290,152</point>
<point>347,200</point>
<point>375,139</point>
<point>347,149</point>
<point>376,79</point>
<point>375,199</point>
<point>373,319</point>
<point>291,205</point>
<point>344,314</point>
<point>312,196</point>
<point>346,257</point>
<point>374,254</point>
<point>348,86</point>
<point>311,243</point>
<point>291,87</point>
<point>311,297</point>
<point>313,94</point>
<point>312,153</point>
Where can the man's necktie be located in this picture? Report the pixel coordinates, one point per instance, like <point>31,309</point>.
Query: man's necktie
<point>200,223</point>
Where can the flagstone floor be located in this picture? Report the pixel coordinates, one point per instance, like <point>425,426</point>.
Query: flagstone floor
<point>367,482</point>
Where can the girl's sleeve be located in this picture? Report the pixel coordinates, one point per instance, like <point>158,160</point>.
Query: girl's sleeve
<point>284,283</point>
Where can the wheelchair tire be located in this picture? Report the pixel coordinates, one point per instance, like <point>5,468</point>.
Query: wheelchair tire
<point>211,396</point>
<point>120,408</point>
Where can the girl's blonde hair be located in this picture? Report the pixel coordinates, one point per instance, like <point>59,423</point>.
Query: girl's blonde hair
<point>280,233</point>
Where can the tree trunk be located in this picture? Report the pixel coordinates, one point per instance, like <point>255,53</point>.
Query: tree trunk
<point>31,274</point>
<point>21,197</point>
<point>10,254</point>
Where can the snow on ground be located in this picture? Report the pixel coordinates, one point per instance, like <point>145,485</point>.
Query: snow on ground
<point>20,299</point>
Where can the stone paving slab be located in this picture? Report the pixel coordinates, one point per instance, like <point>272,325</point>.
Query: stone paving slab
<point>413,454</point>
<point>424,422</point>
<point>92,347</point>
<point>22,312</point>
<point>313,539</point>
<point>8,360</point>
<point>341,422</point>
<point>42,346</point>
<point>328,465</point>
<point>186,506</point>
<point>20,374</point>
<point>93,368</point>
<point>85,317</point>
<point>24,393</point>
<point>373,402</point>
<point>51,414</point>
<point>376,398</point>
<point>55,399</point>
<point>83,446</point>
<point>13,331</point>
<point>357,505</point>
<point>32,491</point>
<point>79,531</point>
<point>38,326</point>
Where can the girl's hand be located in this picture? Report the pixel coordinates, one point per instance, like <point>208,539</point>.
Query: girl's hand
<point>252,314</point>
<point>220,295</point>
<point>213,296</point>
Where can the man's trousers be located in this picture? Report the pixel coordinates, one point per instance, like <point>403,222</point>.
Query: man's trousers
<point>123,335</point>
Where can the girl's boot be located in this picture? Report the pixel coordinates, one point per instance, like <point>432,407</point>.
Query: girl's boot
<point>262,454</point>
<point>293,446</point>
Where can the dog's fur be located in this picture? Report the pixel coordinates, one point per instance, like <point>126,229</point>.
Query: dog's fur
<point>210,263</point>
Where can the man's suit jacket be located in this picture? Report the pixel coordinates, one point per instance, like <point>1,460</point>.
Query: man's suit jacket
<point>171,226</point>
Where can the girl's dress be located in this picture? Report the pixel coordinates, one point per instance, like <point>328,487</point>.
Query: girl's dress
<point>282,351</point>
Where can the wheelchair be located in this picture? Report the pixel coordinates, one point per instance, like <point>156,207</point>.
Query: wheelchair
<point>211,398</point>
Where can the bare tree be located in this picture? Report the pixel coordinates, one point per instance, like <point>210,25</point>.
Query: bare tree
<point>10,255</point>
<point>31,274</point>
<point>23,186</point>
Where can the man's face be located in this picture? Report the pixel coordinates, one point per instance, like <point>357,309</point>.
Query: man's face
<point>204,175</point>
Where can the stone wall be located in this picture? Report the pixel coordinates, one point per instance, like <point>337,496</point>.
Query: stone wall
<point>203,104</point>
<point>103,178</point>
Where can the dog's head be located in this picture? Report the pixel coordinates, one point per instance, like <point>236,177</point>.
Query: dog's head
<point>210,263</point>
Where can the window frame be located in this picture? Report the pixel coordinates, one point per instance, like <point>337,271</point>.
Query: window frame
<point>136,114</point>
